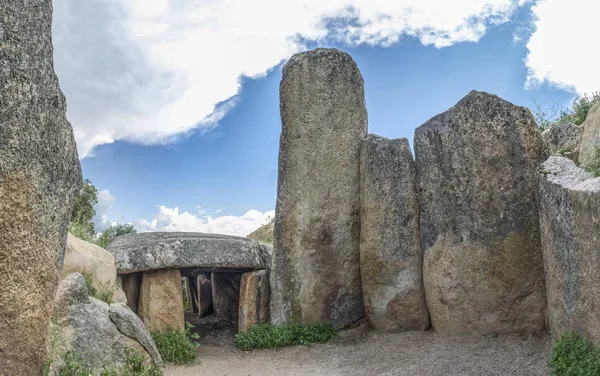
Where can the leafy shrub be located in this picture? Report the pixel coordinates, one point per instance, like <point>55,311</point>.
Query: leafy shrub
<point>102,293</point>
<point>574,356</point>
<point>594,166</point>
<point>580,108</point>
<point>177,346</point>
<point>265,336</point>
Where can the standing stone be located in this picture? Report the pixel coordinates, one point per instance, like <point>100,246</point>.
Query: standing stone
<point>316,267</point>
<point>391,255</point>
<point>131,283</point>
<point>204,291</point>
<point>590,140</point>
<point>226,295</point>
<point>563,139</point>
<point>254,300</point>
<point>569,221</point>
<point>161,300</point>
<point>477,175</point>
<point>39,178</point>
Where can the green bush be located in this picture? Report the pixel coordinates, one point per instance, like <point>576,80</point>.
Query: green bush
<point>265,336</point>
<point>113,231</point>
<point>177,346</point>
<point>580,108</point>
<point>134,366</point>
<point>103,293</point>
<point>574,356</point>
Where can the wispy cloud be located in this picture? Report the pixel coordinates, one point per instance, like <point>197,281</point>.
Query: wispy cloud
<point>150,71</point>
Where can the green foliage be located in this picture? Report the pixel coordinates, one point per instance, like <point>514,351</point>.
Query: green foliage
<point>103,293</point>
<point>266,336</point>
<point>574,356</point>
<point>134,366</point>
<point>83,212</point>
<point>114,231</point>
<point>546,115</point>
<point>580,108</point>
<point>81,231</point>
<point>177,346</point>
<point>594,166</point>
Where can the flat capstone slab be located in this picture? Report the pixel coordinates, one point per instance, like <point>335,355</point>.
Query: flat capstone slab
<point>165,250</point>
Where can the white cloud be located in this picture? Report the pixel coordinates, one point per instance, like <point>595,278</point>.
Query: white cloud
<point>103,207</point>
<point>561,49</point>
<point>150,71</point>
<point>170,219</point>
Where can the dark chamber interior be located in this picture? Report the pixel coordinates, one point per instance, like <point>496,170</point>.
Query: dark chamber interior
<point>211,303</point>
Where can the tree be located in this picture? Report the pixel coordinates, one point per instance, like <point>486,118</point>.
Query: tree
<point>83,212</point>
<point>114,231</point>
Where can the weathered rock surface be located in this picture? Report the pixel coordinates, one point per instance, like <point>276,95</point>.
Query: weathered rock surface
<point>477,175</point>
<point>160,305</point>
<point>569,202</point>
<point>90,259</point>
<point>163,250</point>
<point>226,295</point>
<point>85,328</point>
<point>39,178</point>
<point>590,139</point>
<point>563,139</point>
<point>254,300</point>
<point>316,271</point>
<point>391,255</point>
<point>130,325</point>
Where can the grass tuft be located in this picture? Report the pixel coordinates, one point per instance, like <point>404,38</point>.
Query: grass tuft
<point>573,355</point>
<point>266,336</point>
<point>103,293</point>
<point>177,346</point>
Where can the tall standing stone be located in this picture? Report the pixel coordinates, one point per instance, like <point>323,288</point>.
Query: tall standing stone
<point>590,140</point>
<point>160,304</point>
<point>569,202</point>
<point>316,272</point>
<point>39,178</point>
<point>477,172</point>
<point>391,255</point>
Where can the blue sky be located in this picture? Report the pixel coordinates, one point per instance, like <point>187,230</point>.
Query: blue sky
<point>220,172</point>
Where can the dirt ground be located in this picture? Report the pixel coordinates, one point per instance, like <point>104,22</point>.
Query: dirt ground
<point>359,351</point>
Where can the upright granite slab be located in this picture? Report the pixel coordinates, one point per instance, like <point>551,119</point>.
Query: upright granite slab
<point>163,250</point>
<point>160,305</point>
<point>590,140</point>
<point>570,227</point>
<point>316,272</point>
<point>391,255</point>
<point>254,300</point>
<point>40,176</point>
<point>477,174</point>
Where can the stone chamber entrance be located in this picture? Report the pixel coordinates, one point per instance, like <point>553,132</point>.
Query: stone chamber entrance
<point>211,303</point>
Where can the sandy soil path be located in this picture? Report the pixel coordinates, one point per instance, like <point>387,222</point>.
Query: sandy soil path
<point>362,352</point>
